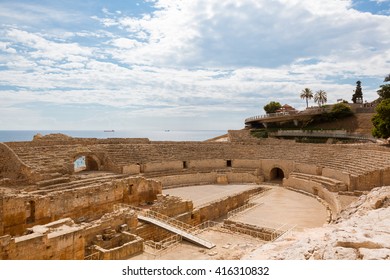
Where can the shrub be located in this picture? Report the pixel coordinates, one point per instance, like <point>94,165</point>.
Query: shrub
<point>341,110</point>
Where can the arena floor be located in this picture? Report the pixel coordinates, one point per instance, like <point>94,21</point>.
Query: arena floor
<point>204,194</point>
<point>277,206</point>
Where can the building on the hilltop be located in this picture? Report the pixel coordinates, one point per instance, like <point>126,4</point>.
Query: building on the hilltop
<point>286,109</point>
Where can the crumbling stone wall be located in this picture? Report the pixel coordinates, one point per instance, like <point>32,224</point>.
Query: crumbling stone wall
<point>82,204</point>
<point>46,245</point>
<point>221,206</point>
<point>12,170</point>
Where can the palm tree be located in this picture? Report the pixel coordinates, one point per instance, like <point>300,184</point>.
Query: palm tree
<point>307,94</point>
<point>320,97</point>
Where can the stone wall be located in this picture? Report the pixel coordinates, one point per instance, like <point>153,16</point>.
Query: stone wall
<point>368,181</point>
<point>337,174</point>
<point>11,168</point>
<point>246,163</point>
<point>316,189</point>
<point>221,207</point>
<point>268,164</point>
<point>82,204</point>
<point>131,169</point>
<point>162,166</point>
<point>132,247</point>
<point>62,244</point>
<point>200,178</point>
<point>206,178</point>
<point>207,164</point>
<point>307,168</point>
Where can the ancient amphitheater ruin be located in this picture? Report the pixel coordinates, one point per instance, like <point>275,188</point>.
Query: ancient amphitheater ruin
<point>121,203</point>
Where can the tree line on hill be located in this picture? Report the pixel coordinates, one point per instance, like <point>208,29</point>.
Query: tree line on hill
<point>381,120</point>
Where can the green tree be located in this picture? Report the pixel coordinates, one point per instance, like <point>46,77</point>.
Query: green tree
<point>384,91</point>
<point>357,97</point>
<point>272,107</point>
<point>341,110</point>
<point>381,120</point>
<point>320,97</point>
<point>307,94</point>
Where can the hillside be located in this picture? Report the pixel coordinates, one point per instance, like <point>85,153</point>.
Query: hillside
<point>359,123</point>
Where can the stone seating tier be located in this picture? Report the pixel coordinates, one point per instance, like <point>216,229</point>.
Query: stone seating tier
<point>57,159</point>
<point>329,183</point>
<point>45,189</point>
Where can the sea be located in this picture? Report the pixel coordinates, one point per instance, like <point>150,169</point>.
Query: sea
<point>153,135</point>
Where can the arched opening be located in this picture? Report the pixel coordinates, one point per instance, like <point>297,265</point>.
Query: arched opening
<point>91,164</point>
<point>85,163</point>
<point>276,174</point>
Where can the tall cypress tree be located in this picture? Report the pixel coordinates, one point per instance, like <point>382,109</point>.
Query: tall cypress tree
<point>357,97</point>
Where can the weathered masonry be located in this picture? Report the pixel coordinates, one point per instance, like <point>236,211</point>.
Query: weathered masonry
<point>59,194</point>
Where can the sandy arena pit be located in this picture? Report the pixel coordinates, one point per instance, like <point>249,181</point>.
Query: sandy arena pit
<point>277,207</point>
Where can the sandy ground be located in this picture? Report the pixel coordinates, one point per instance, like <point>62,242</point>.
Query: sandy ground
<point>279,206</point>
<point>282,206</point>
<point>229,246</point>
<point>206,193</point>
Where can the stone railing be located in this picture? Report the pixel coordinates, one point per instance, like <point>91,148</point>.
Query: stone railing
<point>308,111</point>
<point>321,134</point>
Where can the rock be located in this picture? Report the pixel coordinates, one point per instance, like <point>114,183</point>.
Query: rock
<point>361,232</point>
<point>375,254</point>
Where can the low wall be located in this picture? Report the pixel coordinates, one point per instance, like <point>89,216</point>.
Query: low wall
<point>63,245</point>
<point>131,169</point>
<point>221,207</point>
<point>336,174</point>
<point>307,169</point>
<point>246,163</point>
<point>202,178</point>
<point>316,189</point>
<point>133,247</point>
<point>370,180</point>
<point>244,177</point>
<point>162,166</point>
<point>207,164</point>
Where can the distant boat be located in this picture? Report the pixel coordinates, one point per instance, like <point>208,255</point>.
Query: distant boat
<point>109,130</point>
<point>167,130</point>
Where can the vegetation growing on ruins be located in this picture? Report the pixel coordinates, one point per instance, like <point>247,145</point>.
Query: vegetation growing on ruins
<point>381,119</point>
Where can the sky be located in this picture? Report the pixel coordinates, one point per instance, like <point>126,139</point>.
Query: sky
<point>182,65</point>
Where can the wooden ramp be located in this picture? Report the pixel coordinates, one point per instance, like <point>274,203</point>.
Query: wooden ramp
<point>176,229</point>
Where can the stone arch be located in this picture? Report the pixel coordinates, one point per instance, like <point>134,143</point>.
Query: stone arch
<point>276,174</point>
<point>86,162</point>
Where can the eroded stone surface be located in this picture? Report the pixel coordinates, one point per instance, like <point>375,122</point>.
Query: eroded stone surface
<point>361,232</point>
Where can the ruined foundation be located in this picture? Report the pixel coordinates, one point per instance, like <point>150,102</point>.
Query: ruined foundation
<point>52,208</point>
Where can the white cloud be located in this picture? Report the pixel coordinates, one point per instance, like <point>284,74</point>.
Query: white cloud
<point>193,58</point>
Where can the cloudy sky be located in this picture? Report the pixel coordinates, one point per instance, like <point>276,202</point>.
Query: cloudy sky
<point>172,64</point>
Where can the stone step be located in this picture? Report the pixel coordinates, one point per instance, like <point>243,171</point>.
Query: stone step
<point>52,182</point>
<point>76,184</point>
